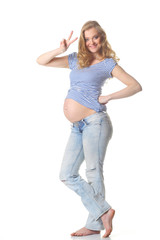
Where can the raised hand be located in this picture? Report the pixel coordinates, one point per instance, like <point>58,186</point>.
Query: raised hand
<point>64,44</point>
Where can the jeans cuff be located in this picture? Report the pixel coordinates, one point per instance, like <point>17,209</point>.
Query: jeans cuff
<point>94,228</point>
<point>103,213</point>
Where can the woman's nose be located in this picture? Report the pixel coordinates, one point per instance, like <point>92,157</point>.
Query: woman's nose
<point>91,41</point>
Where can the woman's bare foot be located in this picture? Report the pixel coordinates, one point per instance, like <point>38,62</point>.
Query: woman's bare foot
<point>107,221</point>
<point>84,232</point>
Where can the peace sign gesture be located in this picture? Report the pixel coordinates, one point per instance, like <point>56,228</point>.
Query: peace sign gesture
<point>64,44</point>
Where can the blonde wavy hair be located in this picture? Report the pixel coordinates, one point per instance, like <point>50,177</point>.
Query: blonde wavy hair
<point>84,56</point>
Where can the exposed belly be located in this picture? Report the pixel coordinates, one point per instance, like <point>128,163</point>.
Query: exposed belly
<point>75,111</point>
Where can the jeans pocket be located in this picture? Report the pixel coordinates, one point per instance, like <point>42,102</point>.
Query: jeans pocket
<point>96,121</point>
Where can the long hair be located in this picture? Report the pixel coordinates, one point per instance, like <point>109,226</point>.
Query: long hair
<point>84,56</point>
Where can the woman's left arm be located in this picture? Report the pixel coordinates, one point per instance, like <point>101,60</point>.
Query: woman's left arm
<point>132,84</point>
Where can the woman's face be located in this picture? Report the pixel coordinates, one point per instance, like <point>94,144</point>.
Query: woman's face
<point>92,40</point>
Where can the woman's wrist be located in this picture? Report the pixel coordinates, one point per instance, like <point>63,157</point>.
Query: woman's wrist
<point>62,50</point>
<point>109,97</point>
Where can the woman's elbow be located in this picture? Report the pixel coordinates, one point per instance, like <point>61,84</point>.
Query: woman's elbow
<point>38,61</point>
<point>138,87</point>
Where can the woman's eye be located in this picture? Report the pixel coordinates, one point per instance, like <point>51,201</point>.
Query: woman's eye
<point>93,37</point>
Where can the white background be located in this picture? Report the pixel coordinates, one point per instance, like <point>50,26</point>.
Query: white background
<point>34,204</point>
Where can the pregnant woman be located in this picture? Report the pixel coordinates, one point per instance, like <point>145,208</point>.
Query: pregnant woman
<point>91,127</point>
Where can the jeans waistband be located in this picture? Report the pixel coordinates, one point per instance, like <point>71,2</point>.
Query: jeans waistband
<point>91,117</point>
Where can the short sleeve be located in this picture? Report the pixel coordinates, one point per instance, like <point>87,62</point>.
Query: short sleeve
<point>72,60</point>
<point>110,63</point>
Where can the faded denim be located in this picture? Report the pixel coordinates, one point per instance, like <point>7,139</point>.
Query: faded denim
<point>88,141</point>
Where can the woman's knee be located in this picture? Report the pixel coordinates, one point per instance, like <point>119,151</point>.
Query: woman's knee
<point>62,176</point>
<point>67,177</point>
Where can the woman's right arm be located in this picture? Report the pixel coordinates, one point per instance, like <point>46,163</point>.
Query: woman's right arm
<point>49,58</point>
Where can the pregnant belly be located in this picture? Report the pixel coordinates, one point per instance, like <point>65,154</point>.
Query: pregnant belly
<point>75,111</point>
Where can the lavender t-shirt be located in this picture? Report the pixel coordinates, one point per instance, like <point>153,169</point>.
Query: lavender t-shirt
<point>86,83</point>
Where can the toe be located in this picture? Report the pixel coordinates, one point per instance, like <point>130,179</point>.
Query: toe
<point>107,233</point>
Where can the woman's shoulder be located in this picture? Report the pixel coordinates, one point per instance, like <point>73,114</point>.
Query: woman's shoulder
<point>72,60</point>
<point>110,63</point>
<point>73,54</point>
<point>109,59</point>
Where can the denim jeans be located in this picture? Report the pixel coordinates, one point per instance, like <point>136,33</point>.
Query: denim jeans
<point>88,141</point>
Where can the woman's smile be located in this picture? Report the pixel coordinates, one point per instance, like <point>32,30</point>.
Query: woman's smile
<point>93,46</point>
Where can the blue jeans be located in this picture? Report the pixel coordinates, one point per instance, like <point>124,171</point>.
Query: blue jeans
<point>88,141</point>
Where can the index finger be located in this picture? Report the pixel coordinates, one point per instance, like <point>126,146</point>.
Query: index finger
<point>70,35</point>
